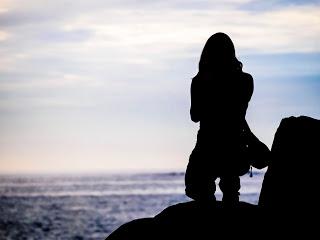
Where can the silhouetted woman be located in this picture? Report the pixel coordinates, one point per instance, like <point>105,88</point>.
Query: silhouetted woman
<point>220,94</point>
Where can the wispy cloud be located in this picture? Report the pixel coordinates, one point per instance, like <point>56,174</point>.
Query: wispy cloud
<point>95,37</point>
<point>129,64</point>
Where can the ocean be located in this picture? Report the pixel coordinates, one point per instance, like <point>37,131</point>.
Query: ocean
<point>91,206</point>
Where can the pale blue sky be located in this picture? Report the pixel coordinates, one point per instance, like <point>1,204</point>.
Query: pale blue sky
<point>104,85</point>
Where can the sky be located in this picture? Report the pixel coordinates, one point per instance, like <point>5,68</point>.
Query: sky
<point>97,86</point>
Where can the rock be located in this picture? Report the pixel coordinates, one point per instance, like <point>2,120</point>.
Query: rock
<point>292,176</point>
<point>201,220</point>
<point>191,219</point>
<point>137,229</point>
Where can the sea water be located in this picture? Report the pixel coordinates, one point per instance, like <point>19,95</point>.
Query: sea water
<point>91,206</point>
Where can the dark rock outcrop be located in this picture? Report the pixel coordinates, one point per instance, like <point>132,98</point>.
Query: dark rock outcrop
<point>142,228</point>
<point>292,178</point>
<point>193,220</point>
<point>288,201</point>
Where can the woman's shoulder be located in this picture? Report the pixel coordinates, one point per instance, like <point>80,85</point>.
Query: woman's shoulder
<point>247,79</point>
<point>247,83</point>
<point>246,76</point>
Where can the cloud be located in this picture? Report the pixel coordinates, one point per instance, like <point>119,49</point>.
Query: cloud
<point>120,71</point>
<point>119,24</point>
<point>132,48</point>
<point>271,5</point>
<point>292,29</point>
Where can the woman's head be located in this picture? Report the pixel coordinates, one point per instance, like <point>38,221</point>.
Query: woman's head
<point>219,54</point>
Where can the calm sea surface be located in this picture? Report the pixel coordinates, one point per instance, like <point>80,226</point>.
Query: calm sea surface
<point>91,206</point>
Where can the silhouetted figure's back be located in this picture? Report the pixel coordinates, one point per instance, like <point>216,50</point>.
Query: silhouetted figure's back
<point>220,94</point>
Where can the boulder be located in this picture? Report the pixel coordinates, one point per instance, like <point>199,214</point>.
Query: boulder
<point>292,178</point>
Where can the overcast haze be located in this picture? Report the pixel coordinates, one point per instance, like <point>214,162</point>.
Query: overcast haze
<point>94,85</point>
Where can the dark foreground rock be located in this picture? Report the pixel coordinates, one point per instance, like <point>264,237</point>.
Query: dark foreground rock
<point>192,219</point>
<point>288,204</point>
<point>292,178</point>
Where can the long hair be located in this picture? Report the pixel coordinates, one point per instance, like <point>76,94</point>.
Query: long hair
<point>219,55</point>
